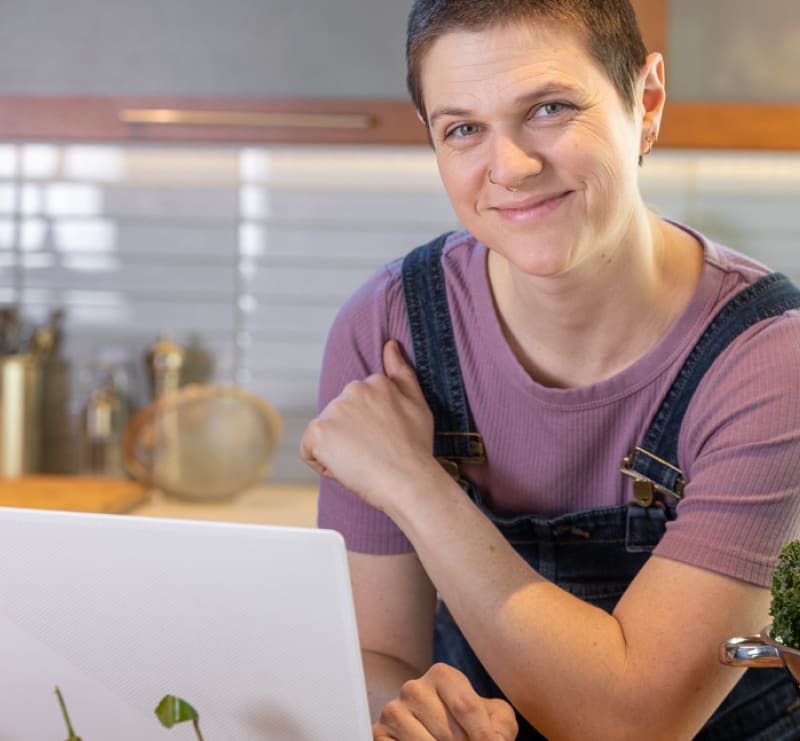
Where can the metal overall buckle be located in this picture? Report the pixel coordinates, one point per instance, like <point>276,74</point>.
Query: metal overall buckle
<point>477,453</point>
<point>647,491</point>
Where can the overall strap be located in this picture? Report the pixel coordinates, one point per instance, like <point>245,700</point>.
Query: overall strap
<point>436,358</point>
<point>654,465</point>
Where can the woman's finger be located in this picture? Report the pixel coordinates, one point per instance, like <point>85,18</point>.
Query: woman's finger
<point>504,719</point>
<point>398,722</point>
<point>442,704</point>
<point>307,445</point>
<point>469,710</point>
<point>401,371</point>
<point>421,697</point>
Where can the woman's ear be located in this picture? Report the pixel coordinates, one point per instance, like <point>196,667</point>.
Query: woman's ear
<point>422,120</point>
<point>652,94</point>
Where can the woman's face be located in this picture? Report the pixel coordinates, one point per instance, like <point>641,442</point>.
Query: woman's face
<point>529,107</point>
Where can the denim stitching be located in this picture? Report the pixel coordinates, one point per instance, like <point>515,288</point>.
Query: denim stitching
<point>551,544</point>
<point>435,354</point>
<point>771,296</point>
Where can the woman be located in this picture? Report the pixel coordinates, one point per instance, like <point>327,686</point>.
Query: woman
<point>544,338</point>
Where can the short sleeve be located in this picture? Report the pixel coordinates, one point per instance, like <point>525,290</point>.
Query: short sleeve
<point>739,450</point>
<point>353,351</point>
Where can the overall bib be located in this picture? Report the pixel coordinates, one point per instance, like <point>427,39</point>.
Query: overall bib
<point>593,554</point>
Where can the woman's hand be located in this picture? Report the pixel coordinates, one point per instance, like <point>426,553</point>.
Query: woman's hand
<point>376,435</point>
<point>442,705</point>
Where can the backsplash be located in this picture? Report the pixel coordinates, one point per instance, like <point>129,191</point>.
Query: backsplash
<point>244,255</point>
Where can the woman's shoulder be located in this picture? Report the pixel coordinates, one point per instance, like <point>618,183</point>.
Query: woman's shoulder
<point>375,312</point>
<point>372,295</point>
<point>750,392</point>
<point>727,272</point>
<point>772,340</point>
<point>382,293</point>
<point>361,326</point>
<point>735,268</point>
<point>459,251</point>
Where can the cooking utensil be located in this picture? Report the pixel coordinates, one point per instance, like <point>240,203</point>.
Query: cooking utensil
<point>104,418</point>
<point>9,330</point>
<point>164,361</point>
<point>20,414</point>
<point>45,340</point>
<point>202,441</point>
<point>760,651</point>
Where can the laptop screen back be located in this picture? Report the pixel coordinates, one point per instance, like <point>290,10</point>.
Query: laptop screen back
<point>252,625</point>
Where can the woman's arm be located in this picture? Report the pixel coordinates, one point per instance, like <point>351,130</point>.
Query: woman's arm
<point>648,671</point>
<point>395,603</point>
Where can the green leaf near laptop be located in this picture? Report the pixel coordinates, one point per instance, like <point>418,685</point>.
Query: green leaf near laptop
<point>72,736</point>
<point>172,710</point>
<point>785,606</point>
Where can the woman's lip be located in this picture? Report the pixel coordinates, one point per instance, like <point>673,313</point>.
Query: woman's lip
<point>532,208</point>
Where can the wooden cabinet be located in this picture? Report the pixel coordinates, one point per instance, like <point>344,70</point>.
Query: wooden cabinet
<point>238,71</point>
<point>345,86</point>
<point>731,71</point>
<point>111,118</point>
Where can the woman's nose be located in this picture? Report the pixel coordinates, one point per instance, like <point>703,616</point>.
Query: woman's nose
<point>512,163</point>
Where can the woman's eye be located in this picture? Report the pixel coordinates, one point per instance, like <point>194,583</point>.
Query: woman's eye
<point>550,109</point>
<point>462,130</point>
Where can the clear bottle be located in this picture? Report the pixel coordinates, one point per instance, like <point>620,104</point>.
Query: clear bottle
<point>105,418</point>
<point>164,363</point>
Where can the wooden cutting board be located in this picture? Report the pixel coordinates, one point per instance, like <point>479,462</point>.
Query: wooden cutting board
<point>75,493</point>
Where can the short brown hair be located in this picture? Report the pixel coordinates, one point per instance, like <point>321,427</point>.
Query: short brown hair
<point>608,27</point>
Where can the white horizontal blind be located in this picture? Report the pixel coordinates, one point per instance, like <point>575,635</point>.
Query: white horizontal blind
<point>246,254</point>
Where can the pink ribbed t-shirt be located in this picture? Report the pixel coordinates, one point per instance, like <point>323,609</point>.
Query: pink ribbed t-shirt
<point>550,450</point>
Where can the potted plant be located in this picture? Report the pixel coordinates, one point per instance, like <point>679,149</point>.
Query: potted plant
<point>778,644</point>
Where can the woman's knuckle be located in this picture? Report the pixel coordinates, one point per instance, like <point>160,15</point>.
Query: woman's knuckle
<point>351,388</point>
<point>440,670</point>
<point>411,689</point>
<point>392,712</point>
<point>465,705</point>
<point>312,430</point>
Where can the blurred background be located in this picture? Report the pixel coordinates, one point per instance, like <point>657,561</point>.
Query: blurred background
<point>214,179</point>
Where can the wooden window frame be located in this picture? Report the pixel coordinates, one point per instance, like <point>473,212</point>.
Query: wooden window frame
<point>129,119</point>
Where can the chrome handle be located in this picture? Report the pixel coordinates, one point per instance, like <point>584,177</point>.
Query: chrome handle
<point>174,116</point>
<point>749,651</point>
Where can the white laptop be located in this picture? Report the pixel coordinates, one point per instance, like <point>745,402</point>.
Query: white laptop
<point>252,625</point>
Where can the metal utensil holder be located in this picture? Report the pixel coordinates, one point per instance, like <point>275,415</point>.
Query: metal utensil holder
<point>20,414</point>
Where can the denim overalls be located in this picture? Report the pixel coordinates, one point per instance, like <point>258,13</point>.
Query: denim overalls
<point>594,554</point>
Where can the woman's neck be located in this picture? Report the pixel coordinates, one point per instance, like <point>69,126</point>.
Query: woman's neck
<point>588,325</point>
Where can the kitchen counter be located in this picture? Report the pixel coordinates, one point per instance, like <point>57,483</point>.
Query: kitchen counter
<point>266,503</point>
<point>269,504</point>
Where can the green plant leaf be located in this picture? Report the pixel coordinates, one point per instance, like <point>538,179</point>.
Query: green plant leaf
<point>172,710</point>
<point>72,736</point>
<point>785,605</point>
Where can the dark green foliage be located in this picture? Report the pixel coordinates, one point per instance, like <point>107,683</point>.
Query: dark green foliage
<point>785,607</point>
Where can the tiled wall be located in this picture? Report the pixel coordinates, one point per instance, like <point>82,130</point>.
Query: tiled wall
<point>245,254</point>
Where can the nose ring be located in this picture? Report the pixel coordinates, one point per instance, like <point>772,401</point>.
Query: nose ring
<point>509,188</point>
